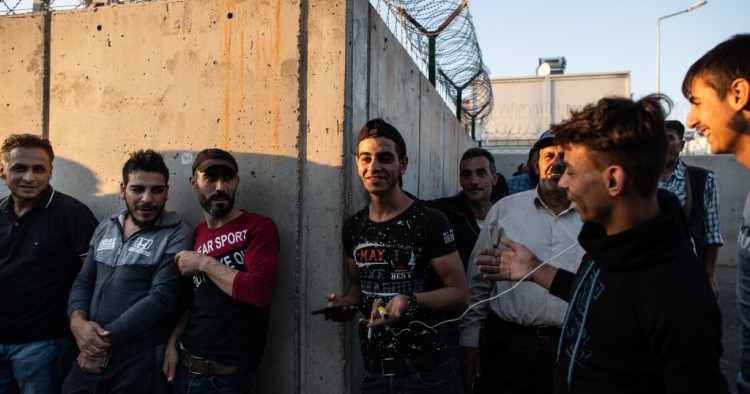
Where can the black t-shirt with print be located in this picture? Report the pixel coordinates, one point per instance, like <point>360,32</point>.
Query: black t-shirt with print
<point>393,257</point>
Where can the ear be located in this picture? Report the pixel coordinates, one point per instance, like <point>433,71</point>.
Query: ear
<point>193,183</point>
<point>682,145</point>
<point>739,95</point>
<point>2,170</point>
<point>122,190</point>
<point>404,164</point>
<point>494,178</point>
<point>615,178</point>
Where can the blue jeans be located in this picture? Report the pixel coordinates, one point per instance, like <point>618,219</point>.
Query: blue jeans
<point>186,382</point>
<point>443,379</point>
<point>36,367</point>
<point>743,304</point>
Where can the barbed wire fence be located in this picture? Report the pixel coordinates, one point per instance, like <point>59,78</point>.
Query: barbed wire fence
<point>440,37</point>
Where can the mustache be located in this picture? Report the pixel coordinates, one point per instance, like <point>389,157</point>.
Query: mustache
<point>218,195</point>
<point>146,206</point>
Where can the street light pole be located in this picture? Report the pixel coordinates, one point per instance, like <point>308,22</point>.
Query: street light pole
<point>658,37</point>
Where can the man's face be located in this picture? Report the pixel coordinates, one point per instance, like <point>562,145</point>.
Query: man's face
<point>551,168</point>
<point>476,178</point>
<point>27,172</point>
<point>714,117</point>
<point>585,185</point>
<point>674,146</point>
<point>145,196</point>
<point>216,189</point>
<point>378,165</point>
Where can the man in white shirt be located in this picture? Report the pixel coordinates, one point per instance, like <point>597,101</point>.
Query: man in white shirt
<point>520,330</point>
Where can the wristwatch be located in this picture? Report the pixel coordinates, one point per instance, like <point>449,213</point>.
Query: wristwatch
<point>411,303</point>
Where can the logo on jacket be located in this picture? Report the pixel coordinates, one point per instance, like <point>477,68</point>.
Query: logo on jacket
<point>107,244</point>
<point>141,246</point>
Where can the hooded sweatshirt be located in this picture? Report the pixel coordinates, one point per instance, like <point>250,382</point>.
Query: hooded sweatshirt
<point>642,318</point>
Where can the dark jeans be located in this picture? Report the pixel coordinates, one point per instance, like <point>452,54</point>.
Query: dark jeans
<point>442,379</point>
<point>516,359</point>
<point>186,382</point>
<point>36,367</point>
<point>129,371</point>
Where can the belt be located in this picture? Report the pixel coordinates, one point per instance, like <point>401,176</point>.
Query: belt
<point>538,331</point>
<point>201,366</point>
<point>404,365</point>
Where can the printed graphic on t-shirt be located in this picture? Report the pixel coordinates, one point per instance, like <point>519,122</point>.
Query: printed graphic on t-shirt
<point>232,247</point>
<point>576,324</point>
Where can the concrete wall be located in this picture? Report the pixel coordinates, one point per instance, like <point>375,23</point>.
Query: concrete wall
<point>732,180</point>
<point>285,86</point>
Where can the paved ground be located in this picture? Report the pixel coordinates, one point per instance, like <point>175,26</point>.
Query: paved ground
<point>730,363</point>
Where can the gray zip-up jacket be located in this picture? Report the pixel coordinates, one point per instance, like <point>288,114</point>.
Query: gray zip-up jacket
<point>130,288</point>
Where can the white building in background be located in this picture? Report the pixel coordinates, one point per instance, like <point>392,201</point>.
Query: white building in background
<point>524,107</point>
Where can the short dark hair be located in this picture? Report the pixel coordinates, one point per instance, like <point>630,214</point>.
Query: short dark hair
<point>721,65</point>
<point>27,141</point>
<point>622,132</point>
<point>479,152</point>
<point>677,127</point>
<point>146,160</point>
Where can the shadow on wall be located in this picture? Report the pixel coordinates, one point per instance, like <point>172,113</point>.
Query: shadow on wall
<point>270,186</point>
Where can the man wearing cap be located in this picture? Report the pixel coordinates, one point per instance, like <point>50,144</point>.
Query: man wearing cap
<point>121,304</point>
<point>696,190</point>
<point>402,255</point>
<point>217,345</point>
<point>508,344</point>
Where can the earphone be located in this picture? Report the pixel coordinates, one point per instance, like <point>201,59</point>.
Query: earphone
<point>474,305</point>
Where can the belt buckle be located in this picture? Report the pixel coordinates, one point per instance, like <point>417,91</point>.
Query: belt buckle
<point>387,361</point>
<point>190,366</point>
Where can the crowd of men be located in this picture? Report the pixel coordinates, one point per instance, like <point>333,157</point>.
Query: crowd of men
<point>595,274</point>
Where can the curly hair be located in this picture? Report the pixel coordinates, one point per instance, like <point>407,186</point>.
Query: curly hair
<point>27,141</point>
<point>145,160</point>
<point>623,132</point>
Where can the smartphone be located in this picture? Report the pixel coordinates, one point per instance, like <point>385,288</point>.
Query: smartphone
<point>331,309</point>
<point>105,361</point>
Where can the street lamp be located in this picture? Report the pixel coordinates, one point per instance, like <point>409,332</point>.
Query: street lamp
<point>658,38</point>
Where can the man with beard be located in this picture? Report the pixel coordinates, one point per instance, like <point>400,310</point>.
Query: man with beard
<point>122,300</point>
<point>508,344</point>
<point>695,188</point>
<point>218,343</point>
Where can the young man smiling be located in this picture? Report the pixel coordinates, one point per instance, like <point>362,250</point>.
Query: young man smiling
<point>402,255</point>
<point>641,318</point>
<point>718,87</point>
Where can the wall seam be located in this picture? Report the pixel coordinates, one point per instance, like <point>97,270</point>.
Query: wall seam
<point>301,277</point>
<point>46,72</point>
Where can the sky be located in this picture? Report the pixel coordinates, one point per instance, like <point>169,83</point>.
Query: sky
<point>599,36</point>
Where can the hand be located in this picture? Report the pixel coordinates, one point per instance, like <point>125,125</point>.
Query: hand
<point>344,314</point>
<point>470,367</point>
<point>90,365</point>
<point>714,286</point>
<point>189,262</point>
<point>512,264</point>
<point>171,359</point>
<point>91,338</point>
<point>395,308</point>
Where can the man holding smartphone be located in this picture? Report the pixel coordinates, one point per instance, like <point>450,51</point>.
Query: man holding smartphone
<point>401,255</point>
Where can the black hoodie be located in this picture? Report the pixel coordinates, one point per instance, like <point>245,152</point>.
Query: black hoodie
<point>642,318</point>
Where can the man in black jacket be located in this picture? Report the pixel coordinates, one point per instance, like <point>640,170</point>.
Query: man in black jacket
<point>467,209</point>
<point>642,318</point>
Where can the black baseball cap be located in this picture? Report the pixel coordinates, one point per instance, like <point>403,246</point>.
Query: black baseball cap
<point>214,157</point>
<point>379,128</point>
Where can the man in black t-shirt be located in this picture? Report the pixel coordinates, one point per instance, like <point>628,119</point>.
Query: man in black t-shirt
<point>44,235</point>
<point>402,255</point>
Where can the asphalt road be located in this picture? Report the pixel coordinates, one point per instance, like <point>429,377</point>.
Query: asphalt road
<point>730,363</point>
